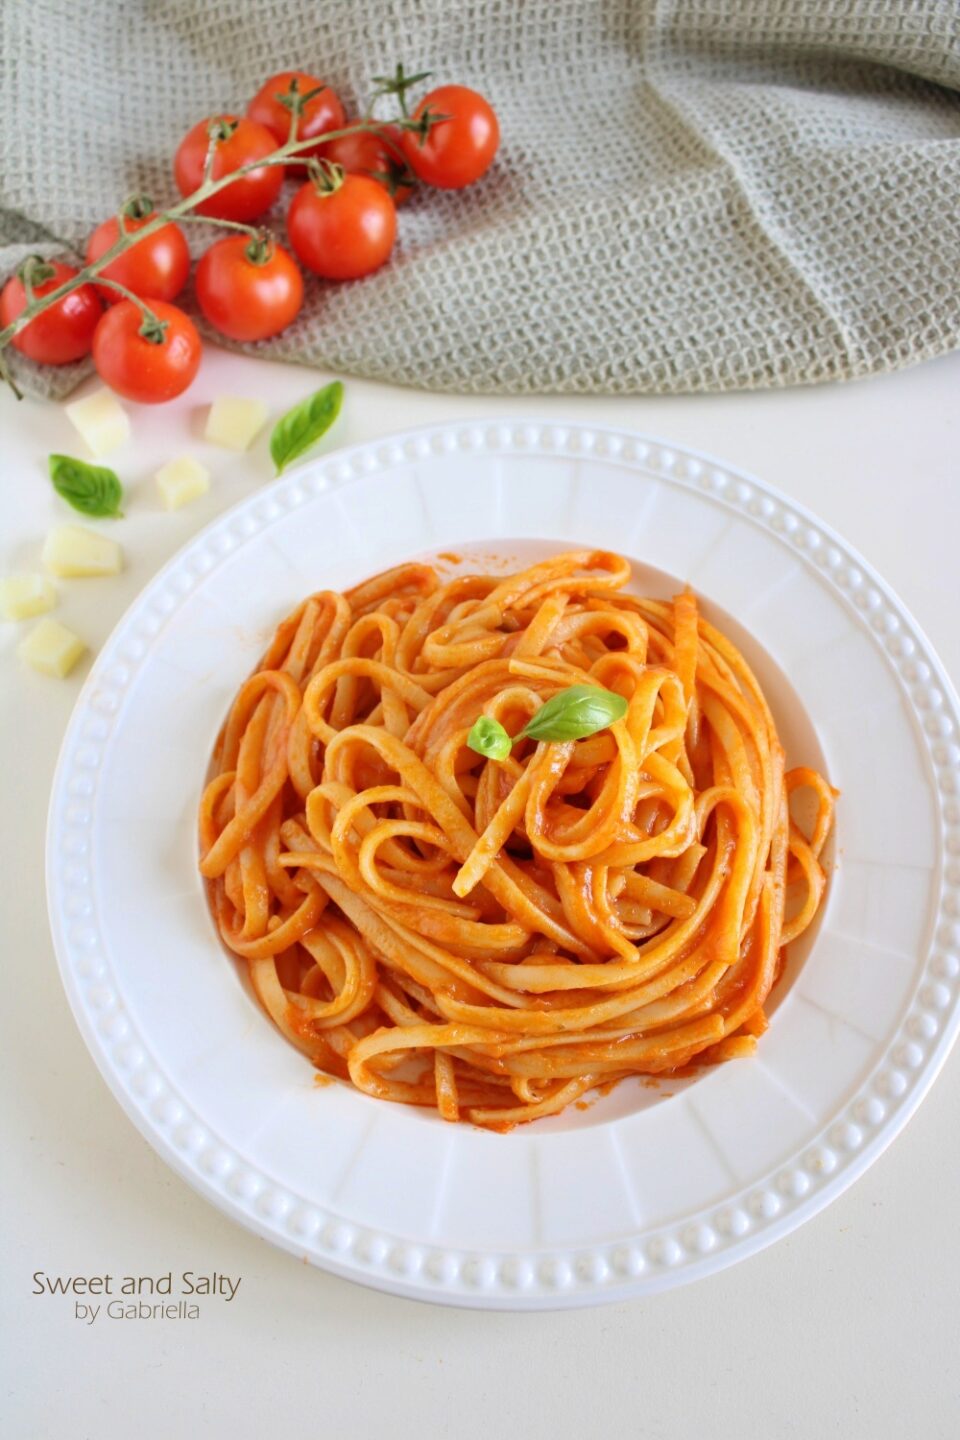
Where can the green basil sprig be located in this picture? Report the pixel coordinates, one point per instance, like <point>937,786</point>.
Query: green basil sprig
<point>488,737</point>
<point>571,714</point>
<point>301,427</point>
<point>575,713</point>
<point>91,489</point>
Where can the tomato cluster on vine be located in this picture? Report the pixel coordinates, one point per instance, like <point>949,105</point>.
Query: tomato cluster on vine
<point>341,225</point>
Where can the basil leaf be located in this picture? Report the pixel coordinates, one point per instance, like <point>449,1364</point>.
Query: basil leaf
<point>488,737</point>
<point>574,713</point>
<point>301,427</point>
<point>91,489</point>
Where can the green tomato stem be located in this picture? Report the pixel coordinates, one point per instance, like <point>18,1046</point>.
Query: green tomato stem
<point>8,379</point>
<point>251,230</point>
<point>153,327</point>
<point>138,207</point>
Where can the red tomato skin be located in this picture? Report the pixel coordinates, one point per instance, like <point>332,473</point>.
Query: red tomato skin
<point>155,269</point>
<point>456,152</point>
<point>244,300</point>
<point>365,153</point>
<point>321,114</point>
<point>250,196</point>
<point>63,333</point>
<point>345,234</point>
<point>136,368</point>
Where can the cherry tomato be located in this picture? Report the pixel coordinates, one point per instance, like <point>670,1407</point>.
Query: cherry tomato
<point>457,151</point>
<point>246,297</point>
<point>324,112</point>
<point>342,227</point>
<point>144,369</point>
<point>380,157</point>
<point>239,141</point>
<point>62,333</point>
<point>155,268</point>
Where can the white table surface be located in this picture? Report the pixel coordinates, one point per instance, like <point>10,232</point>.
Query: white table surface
<point>847,1328</point>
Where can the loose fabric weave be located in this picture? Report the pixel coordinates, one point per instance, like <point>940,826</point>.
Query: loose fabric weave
<point>690,195</point>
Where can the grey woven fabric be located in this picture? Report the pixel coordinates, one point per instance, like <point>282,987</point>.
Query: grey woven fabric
<point>690,195</point>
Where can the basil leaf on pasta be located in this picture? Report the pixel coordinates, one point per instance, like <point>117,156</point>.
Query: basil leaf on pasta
<point>575,713</point>
<point>91,489</point>
<point>488,737</point>
<point>298,430</point>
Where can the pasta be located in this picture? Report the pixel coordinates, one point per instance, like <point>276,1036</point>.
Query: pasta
<point>496,937</point>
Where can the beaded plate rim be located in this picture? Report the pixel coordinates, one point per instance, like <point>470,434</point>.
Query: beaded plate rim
<point>547,1278</point>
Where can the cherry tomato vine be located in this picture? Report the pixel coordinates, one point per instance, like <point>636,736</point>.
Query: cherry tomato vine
<point>229,170</point>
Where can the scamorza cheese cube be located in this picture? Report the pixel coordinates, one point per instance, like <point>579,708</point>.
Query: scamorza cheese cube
<point>71,550</point>
<point>235,422</point>
<point>51,648</point>
<point>181,481</point>
<point>24,595</point>
<point>101,420</point>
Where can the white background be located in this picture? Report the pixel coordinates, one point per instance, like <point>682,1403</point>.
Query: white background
<point>847,1328</point>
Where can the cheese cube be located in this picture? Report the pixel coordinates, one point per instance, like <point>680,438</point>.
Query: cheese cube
<point>101,420</point>
<point>235,422</point>
<point>72,550</point>
<point>181,481</point>
<point>24,595</point>
<point>51,648</point>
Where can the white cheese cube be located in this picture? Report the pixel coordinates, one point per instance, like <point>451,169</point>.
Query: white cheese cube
<point>235,422</point>
<point>101,420</point>
<point>72,550</point>
<point>24,595</point>
<point>51,648</point>
<point>182,480</point>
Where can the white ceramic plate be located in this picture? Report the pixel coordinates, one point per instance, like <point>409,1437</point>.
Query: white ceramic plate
<point>645,1189</point>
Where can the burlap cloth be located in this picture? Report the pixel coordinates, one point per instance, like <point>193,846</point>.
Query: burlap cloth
<point>690,195</point>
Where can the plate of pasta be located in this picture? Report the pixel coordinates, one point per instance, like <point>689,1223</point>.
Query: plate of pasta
<point>467,868</point>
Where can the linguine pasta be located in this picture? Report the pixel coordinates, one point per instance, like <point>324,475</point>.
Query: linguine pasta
<point>496,937</point>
